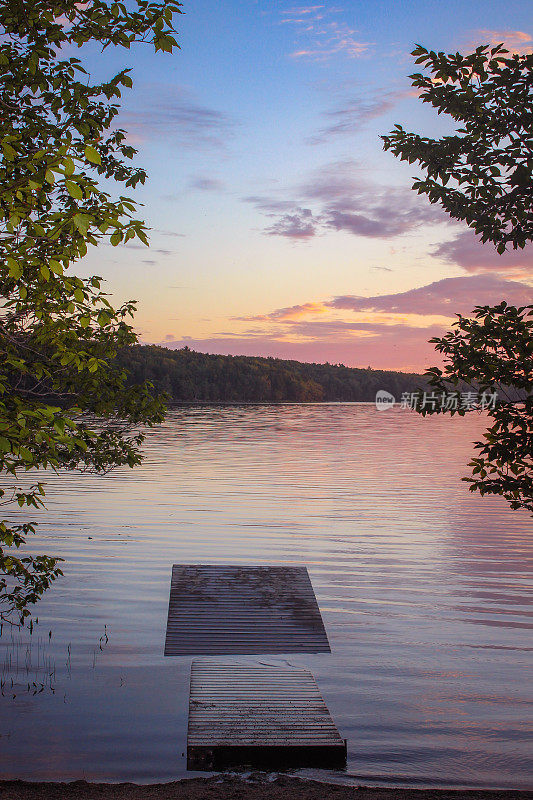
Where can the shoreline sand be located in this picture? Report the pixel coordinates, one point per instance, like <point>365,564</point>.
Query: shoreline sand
<point>222,787</point>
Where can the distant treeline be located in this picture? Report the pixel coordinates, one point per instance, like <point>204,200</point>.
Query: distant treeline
<point>188,376</point>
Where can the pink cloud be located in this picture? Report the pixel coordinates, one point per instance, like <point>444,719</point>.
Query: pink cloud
<point>320,37</point>
<point>294,14</point>
<point>409,352</point>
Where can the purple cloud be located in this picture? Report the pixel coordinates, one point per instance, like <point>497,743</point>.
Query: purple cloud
<point>207,184</point>
<point>445,297</point>
<point>466,251</point>
<point>268,205</point>
<point>299,225</point>
<point>380,216</point>
<point>346,201</point>
<point>349,117</point>
<point>169,233</point>
<point>171,113</point>
<point>335,181</point>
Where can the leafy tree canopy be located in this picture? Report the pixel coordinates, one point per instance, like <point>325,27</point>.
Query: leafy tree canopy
<point>494,351</point>
<point>482,174</point>
<point>63,402</point>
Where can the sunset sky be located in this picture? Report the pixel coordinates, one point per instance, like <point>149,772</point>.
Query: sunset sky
<point>279,225</point>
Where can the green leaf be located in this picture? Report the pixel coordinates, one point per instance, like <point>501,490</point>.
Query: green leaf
<point>92,155</point>
<point>68,164</point>
<point>25,454</point>
<point>82,222</point>
<point>74,190</point>
<point>15,269</point>
<point>9,152</point>
<point>55,267</point>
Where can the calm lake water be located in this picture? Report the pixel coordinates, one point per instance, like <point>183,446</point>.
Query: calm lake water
<point>423,588</point>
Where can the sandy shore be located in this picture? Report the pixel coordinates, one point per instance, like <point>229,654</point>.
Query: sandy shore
<point>235,788</point>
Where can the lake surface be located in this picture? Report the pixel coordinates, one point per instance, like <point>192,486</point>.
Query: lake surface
<point>424,589</point>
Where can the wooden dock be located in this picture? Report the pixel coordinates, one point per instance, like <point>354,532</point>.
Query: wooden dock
<point>258,715</point>
<point>225,610</point>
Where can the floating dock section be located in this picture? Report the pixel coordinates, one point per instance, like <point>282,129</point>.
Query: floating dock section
<point>226,610</point>
<point>261,716</point>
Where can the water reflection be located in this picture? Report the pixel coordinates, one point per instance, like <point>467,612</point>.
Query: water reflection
<point>422,586</point>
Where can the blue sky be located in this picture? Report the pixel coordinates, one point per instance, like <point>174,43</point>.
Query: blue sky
<point>280,226</point>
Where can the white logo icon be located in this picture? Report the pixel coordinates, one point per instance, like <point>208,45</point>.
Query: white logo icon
<point>384,400</point>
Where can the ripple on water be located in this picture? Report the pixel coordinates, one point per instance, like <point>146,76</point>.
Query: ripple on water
<point>424,589</point>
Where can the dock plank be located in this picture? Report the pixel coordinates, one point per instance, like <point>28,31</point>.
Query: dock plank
<point>259,715</point>
<point>226,610</point>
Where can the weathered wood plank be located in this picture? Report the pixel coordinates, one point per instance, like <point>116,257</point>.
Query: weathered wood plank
<point>259,715</point>
<point>219,610</point>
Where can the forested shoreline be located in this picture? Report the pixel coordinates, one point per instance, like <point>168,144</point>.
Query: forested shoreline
<point>188,376</point>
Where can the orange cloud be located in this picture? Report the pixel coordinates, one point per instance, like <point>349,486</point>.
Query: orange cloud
<point>515,41</point>
<point>288,314</point>
<point>387,331</point>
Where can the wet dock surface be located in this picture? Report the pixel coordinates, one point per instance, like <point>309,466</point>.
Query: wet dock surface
<point>226,610</point>
<point>259,715</point>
